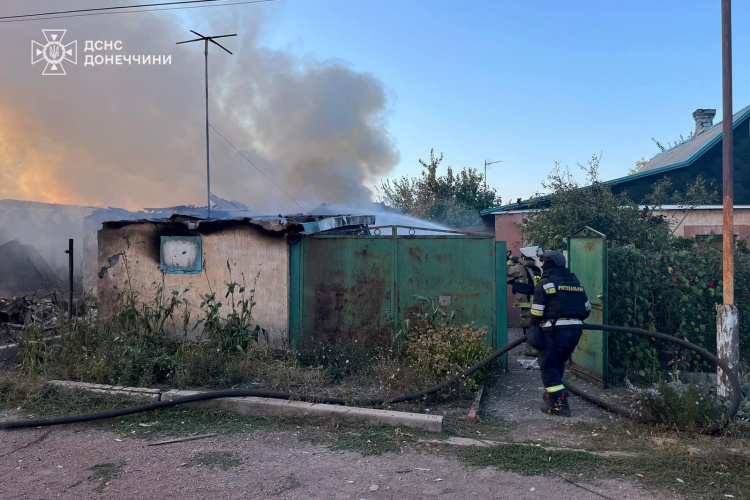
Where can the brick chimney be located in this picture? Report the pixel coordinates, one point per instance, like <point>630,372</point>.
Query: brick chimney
<point>704,119</point>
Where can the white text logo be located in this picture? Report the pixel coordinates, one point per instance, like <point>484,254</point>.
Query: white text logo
<point>54,52</point>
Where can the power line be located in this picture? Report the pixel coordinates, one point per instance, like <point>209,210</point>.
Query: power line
<point>106,8</point>
<point>16,19</point>
<point>259,170</point>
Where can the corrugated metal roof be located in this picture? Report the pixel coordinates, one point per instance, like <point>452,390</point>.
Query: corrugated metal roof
<point>679,156</point>
<point>272,223</point>
<point>689,150</point>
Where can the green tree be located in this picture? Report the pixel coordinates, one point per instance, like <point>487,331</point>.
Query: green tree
<point>452,199</point>
<point>624,221</point>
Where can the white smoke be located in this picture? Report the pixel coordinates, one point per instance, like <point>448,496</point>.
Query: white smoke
<point>134,136</point>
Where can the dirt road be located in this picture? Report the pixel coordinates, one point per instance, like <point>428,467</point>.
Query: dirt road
<point>83,462</point>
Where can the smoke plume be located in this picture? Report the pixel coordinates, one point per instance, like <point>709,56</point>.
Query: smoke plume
<point>133,136</point>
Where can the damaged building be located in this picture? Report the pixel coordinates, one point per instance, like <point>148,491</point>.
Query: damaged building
<point>317,277</point>
<point>198,256</point>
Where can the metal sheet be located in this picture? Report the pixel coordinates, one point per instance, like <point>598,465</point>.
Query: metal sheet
<point>587,258</point>
<point>364,286</point>
<point>346,288</point>
<point>462,268</point>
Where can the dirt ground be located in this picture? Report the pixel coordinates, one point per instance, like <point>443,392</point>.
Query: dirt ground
<point>261,465</point>
<point>517,396</point>
<point>87,461</point>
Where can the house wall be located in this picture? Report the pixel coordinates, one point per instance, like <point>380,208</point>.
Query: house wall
<point>506,229</point>
<point>250,252</point>
<point>707,221</point>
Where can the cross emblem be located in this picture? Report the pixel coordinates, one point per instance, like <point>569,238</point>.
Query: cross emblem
<point>54,52</point>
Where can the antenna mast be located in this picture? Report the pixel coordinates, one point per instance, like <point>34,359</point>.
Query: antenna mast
<point>205,40</point>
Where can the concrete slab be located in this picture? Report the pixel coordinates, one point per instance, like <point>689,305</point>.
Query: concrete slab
<point>8,353</point>
<point>139,392</point>
<point>267,407</point>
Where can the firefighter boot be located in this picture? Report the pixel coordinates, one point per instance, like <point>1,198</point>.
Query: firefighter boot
<point>556,405</point>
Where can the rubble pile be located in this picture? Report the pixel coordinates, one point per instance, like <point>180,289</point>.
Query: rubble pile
<point>19,312</point>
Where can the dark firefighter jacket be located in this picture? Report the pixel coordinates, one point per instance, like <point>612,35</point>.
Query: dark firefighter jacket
<point>559,298</point>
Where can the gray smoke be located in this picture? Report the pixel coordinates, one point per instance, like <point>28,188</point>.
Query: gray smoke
<point>134,136</point>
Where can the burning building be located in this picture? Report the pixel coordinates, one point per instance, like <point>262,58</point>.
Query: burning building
<point>196,257</point>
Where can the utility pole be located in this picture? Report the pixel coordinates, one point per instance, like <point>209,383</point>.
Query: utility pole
<point>487,162</point>
<point>727,317</point>
<point>205,40</point>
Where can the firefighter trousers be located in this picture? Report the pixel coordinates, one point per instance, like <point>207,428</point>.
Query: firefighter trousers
<point>559,344</point>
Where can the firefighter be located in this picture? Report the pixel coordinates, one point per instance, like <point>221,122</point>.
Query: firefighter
<point>535,274</point>
<point>558,308</point>
<point>522,277</point>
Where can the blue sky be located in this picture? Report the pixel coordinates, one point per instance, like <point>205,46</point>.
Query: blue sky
<point>528,83</point>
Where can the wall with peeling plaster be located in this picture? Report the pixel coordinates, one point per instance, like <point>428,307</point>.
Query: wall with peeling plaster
<point>253,254</point>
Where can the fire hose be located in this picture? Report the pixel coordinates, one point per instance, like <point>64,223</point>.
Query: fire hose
<point>238,393</point>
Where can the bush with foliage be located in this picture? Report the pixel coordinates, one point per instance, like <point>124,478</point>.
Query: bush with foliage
<point>137,346</point>
<point>453,200</point>
<point>679,403</point>
<point>673,292</point>
<point>444,349</point>
<point>657,281</point>
<point>570,206</point>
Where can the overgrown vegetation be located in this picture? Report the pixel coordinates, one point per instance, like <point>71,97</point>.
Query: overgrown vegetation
<point>657,281</point>
<point>166,341</point>
<point>715,474</point>
<point>680,404</point>
<point>442,348</point>
<point>573,206</point>
<point>673,291</point>
<point>453,200</point>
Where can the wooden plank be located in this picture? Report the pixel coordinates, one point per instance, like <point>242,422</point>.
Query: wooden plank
<point>182,440</point>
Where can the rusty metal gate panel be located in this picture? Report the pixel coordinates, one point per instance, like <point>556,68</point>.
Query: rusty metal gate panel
<point>346,288</point>
<point>364,286</point>
<point>457,270</point>
<point>587,258</point>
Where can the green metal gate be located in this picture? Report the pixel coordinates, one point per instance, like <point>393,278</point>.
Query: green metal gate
<point>587,258</point>
<point>363,286</point>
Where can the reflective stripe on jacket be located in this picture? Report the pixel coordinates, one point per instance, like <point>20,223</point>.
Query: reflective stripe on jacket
<point>559,296</point>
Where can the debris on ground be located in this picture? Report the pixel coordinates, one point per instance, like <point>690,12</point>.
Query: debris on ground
<point>528,363</point>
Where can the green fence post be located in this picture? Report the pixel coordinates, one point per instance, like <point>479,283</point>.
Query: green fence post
<point>295,290</point>
<point>501,290</point>
<point>394,281</point>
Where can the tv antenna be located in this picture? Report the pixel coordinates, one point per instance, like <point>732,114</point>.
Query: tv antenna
<point>487,163</point>
<point>205,40</point>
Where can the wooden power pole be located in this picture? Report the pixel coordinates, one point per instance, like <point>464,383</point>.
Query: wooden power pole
<point>727,316</point>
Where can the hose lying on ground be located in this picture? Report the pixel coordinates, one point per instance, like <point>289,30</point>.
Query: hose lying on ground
<point>234,393</point>
<point>734,379</point>
<point>238,393</point>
